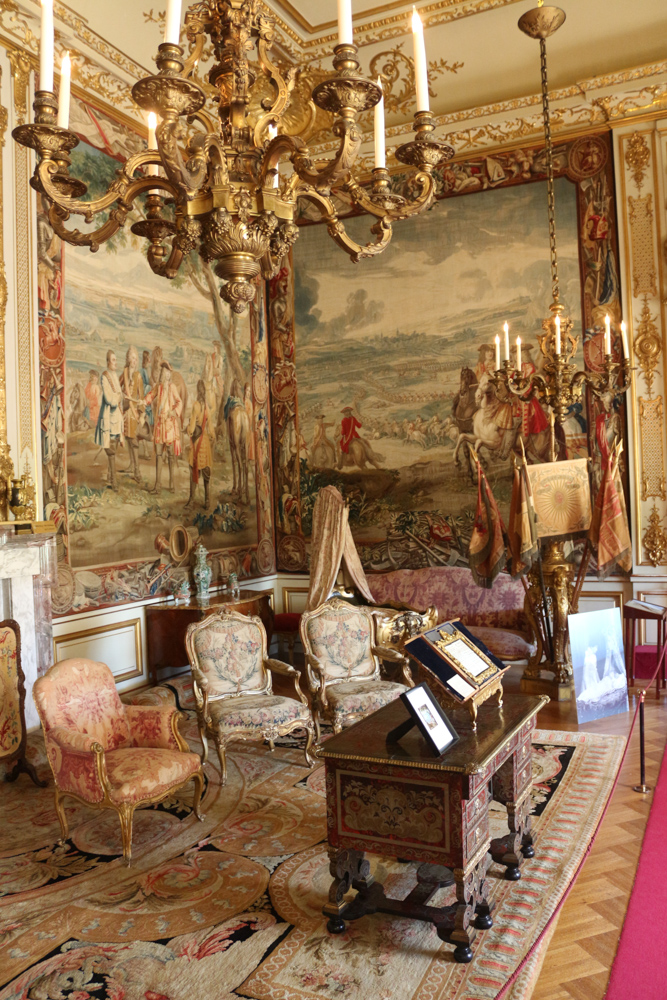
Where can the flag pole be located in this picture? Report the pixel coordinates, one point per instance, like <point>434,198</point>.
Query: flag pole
<point>540,570</point>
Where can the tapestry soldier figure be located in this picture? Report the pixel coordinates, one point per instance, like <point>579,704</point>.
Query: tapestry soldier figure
<point>133,396</point>
<point>109,432</point>
<point>201,434</point>
<point>167,406</point>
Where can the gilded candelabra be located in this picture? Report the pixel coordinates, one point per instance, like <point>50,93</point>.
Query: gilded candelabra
<point>557,386</point>
<point>219,191</point>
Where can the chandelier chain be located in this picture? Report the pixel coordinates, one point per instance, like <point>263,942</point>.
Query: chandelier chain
<point>550,171</point>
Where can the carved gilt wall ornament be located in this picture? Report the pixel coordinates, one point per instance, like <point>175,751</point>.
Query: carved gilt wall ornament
<point>651,417</point>
<point>20,63</point>
<point>648,345</point>
<point>644,279</point>
<point>637,157</point>
<point>655,539</point>
<point>6,464</point>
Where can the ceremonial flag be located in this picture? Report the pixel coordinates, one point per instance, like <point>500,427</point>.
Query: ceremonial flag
<point>486,552</point>
<point>609,534</point>
<point>522,533</point>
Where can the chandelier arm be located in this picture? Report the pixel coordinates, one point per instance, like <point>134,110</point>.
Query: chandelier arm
<point>390,206</point>
<point>289,144</point>
<point>356,251</point>
<point>336,169</point>
<point>58,217</point>
<point>284,86</point>
<point>190,63</point>
<point>187,177</point>
<point>165,269</point>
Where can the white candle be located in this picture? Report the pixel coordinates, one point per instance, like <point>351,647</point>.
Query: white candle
<point>506,331</point>
<point>624,338</point>
<point>345,34</point>
<point>497,353</point>
<point>518,353</point>
<point>273,132</point>
<point>421,66</point>
<point>153,169</point>
<point>380,151</point>
<point>172,32</point>
<point>607,335</point>
<point>558,344</point>
<point>46,47</point>
<point>64,94</point>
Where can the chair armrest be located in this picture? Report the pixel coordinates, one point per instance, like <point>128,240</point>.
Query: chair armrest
<point>278,667</point>
<point>395,657</point>
<point>77,762</point>
<point>155,726</point>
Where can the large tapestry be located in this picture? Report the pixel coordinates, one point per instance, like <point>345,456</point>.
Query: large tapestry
<point>153,407</point>
<point>393,356</point>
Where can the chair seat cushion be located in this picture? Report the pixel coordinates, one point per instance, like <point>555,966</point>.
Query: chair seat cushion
<point>504,643</point>
<point>288,621</point>
<point>362,696</point>
<point>256,711</point>
<point>137,774</point>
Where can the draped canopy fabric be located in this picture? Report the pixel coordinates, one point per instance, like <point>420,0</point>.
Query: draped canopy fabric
<point>332,544</point>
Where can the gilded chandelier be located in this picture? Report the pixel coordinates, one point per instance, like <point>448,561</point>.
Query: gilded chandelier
<point>212,184</point>
<point>560,384</point>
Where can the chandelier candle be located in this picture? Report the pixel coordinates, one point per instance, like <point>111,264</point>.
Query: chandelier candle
<point>607,336</point>
<point>557,325</point>
<point>506,331</point>
<point>273,132</point>
<point>518,353</point>
<point>624,338</point>
<point>497,353</point>
<point>64,94</point>
<point>172,31</point>
<point>421,66</point>
<point>380,152</point>
<point>46,47</point>
<point>345,30</point>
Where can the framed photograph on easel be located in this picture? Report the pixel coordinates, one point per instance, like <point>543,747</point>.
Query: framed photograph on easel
<point>426,714</point>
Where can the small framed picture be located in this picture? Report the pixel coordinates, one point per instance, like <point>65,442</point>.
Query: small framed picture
<point>426,713</point>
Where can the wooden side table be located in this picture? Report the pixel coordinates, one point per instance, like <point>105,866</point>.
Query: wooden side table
<point>399,800</point>
<point>167,623</point>
<point>634,611</point>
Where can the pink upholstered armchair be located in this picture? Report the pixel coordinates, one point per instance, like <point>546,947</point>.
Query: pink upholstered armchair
<point>106,754</point>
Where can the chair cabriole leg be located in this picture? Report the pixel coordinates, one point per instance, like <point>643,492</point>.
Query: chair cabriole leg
<point>199,790</point>
<point>62,816</point>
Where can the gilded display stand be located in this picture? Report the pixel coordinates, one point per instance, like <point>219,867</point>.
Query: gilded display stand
<point>559,585</point>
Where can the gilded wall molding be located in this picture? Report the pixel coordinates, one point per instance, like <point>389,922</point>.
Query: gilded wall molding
<point>6,464</point>
<point>640,195</point>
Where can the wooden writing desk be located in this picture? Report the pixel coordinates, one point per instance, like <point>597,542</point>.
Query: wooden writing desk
<point>634,611</point>
<point>167,623</point>
<point>401,801</point>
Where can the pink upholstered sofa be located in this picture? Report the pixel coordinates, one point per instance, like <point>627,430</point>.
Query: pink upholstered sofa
<point>496,616</point>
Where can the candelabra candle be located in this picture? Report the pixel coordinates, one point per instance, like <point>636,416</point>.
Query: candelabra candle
<point>497,353</point>
<point>345,30</point>
<point>558,343</point>
<point>64,94</point>
<point>518,353</point>
<point>607,336</point>
<point>380,151</point>
<point>46,47</point>
<point>421,66</point>
<point>153,169</point>
<point>624,338</point>
<point>506,331</point>
<point>273,132</point>
<point>172,31</point>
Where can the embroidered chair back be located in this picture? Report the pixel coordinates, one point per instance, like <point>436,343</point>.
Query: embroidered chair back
<point>341,636</point>
<point>12,692</point>
<point>82,696</point>
<point>227,651</point>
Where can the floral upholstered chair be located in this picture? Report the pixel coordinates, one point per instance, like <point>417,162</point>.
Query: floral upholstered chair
<point>107,754</point>
<point>343,664</point>
<point>233,688</point>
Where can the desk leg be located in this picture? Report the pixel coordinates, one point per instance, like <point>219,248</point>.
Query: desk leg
<point>472,894</point>
<point>511,850</point>
<point>349,870</point>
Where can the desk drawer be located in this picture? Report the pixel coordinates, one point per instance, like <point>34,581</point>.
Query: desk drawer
<point>477,834</point>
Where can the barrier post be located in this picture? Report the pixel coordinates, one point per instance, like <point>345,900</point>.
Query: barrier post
<point>642,787</point>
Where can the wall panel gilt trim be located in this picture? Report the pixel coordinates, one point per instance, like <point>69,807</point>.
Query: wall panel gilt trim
<point>640,194</point>
<point>118,645</point>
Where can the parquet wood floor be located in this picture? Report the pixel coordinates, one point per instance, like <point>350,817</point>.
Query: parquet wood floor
<point>582,949</point>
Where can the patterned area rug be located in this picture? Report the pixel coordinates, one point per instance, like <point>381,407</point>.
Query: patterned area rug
<point>232,907</point>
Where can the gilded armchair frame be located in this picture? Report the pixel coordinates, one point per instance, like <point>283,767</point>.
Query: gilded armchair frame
<point>318,681</point>
<point>125,810</point>
<point>203,699</point>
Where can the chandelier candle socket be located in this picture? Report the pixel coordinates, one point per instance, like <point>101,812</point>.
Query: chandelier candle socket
<point>421,66</point>
<point>172,31</point>
<point>218,156</point>
<point>64,93</point>
<point>380,151</point>
<point>46,47</point>
<point>345,30</point>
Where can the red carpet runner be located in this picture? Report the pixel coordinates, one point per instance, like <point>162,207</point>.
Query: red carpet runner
<point>640,966</point>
